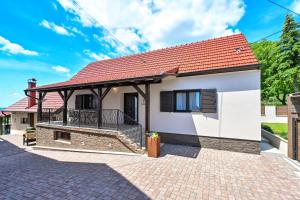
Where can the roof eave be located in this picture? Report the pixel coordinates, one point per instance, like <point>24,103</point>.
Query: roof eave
<point>146,78</point>
<point>102,84</point>
<point>221,70</point>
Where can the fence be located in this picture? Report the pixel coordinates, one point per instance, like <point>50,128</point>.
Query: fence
<point>274,114</point>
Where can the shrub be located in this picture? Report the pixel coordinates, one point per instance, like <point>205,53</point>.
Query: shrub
<point>154,135</point>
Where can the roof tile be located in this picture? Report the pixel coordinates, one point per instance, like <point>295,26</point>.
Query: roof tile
<point>52,100</point>
<point>224,52</point>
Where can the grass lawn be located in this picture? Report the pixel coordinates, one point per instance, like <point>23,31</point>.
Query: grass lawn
<point>280,129</point>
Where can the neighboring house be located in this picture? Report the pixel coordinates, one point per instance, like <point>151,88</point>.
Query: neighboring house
<point>201,94</point>
<point>24,112</point>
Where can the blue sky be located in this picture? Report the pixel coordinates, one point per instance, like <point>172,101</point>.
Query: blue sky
<point>52,40</point>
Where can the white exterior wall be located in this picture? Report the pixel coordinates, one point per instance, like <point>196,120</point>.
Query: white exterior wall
<point>16,126</point>
<point>271,117</point>
<point>238,112</point>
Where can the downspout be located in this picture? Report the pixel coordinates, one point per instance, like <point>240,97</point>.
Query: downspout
<point>220,115</point>
<point>25,91</point>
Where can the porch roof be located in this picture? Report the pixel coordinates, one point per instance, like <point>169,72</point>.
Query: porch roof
<point>110,79</point>
<point>211,56</point>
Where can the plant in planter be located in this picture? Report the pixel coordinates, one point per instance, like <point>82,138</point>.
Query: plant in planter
<point>153,144</point>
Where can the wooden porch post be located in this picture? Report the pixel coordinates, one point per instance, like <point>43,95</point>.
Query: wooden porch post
<point>146,96</point>
<point>65,97</point>
<point>100,96</point>
<point>147,107</point>
<point>99,107</point>
<point>65,110</point>
<point>40,107</point>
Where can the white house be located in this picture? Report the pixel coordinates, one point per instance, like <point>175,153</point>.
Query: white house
<point>201,94</point>
<point>24,111</point>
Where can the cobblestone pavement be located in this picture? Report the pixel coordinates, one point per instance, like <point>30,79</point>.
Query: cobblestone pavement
<point>180,173</point>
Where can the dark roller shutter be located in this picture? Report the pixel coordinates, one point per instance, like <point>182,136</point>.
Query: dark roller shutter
<point>78,102</point>
<point>166,101</point>
<point>208,102</point>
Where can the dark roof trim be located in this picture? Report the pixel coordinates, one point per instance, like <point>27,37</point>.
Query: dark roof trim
<point>141,80</point>
<point>222,70</point>
<point>123,82</point>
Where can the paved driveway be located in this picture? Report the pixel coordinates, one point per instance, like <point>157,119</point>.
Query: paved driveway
<point>181,173</point>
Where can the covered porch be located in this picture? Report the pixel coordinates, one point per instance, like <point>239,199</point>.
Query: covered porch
<point>97,116</point>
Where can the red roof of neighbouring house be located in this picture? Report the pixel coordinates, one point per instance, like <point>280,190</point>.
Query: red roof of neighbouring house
<point>52,100</point>
<point>220,53</point>
<point>3,114</point>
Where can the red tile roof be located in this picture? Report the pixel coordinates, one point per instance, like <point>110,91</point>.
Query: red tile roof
<point>52,100</point>
<point>225,52</point>
<point>3,114</point>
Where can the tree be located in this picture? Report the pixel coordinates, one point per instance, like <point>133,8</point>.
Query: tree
<point>289,47</point>
<point>265,51</point>
<point>280,72</point>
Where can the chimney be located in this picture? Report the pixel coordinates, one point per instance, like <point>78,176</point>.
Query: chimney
<point>31,84</point>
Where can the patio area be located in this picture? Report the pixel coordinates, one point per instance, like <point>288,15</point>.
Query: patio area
<point>180,173</point>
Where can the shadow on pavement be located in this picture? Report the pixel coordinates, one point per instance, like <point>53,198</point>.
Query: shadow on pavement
<point>185,151</point>
<point>30,176</point>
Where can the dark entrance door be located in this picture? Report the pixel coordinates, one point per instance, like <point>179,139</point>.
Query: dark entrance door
<point>31,119</point>
<point>131,107</point>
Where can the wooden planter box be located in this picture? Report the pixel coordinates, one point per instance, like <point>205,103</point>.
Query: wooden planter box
<point>153,145</point>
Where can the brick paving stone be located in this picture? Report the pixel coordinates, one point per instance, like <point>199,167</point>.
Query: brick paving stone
<point>193,174</point>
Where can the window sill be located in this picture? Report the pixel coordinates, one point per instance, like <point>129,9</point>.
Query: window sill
<point>63,141</point>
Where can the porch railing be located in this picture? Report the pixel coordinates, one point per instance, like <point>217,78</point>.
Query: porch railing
<point>112,119</point>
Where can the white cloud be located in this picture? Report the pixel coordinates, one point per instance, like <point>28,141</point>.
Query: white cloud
<point>62,30</point>
<point>13,48</point>
<point>296,6</point>
<point>56,28</point>
<point>95,56</point>
<point>61,70</point>
<point>159,22</point>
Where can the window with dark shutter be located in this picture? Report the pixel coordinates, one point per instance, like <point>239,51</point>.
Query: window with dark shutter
<point>193,100</point>
<point>166,101</point>
<point>208,101</point>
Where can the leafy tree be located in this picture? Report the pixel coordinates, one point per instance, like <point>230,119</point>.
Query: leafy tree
<point>266,53</point>
<point>280,63</point>
<point>289,47</point>
<point>284,71</point>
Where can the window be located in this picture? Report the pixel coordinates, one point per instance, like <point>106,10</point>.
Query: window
<point>194,101</point>
<point>198,100</point>
<point>180,101</point>
<point>85,102</point>
<point>187,100</point>
<point>24,120</point>
<point>58,135</point>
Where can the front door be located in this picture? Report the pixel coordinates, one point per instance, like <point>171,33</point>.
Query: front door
<point>131,107</point>
<point>31,119</point>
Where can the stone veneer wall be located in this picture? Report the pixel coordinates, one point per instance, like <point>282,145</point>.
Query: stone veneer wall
<point>81,138</point>
<point>238,145</point>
